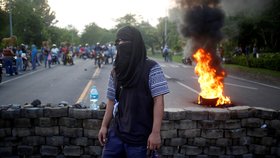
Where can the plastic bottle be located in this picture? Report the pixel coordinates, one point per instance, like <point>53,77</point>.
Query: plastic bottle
<point>93,98</point>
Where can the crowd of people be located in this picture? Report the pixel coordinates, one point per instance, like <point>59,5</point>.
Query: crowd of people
<point>16,60</point>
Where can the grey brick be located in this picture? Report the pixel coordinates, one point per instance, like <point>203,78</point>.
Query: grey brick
<point>167,150</point>
<point>167,125</point>
<point>72,151</point>
<point>175,141</point>
<point>218,114</point>
<point>252,122</point>
<point>191,150</point>
<point>71,132</point>
<point>237,112</point>
<point>185,124</point>
<point>275,124</point>
<point>55,140</point>
<point>214,150</point>
<point>56,111</point>
<point>236,150</point>
<point>25,150</point>
<point>46,122</point>
<point>200,141</point>
<point>90,133</point>
<point>212,133</point>
<point>95,150</point>
<point>265,113</point>
<point>268,141</point>
<point>235,133</point>
<point>259,149</point>
<point>208,124</point>
<point>32,112</point>
<point>196,113</point>
<point>191,133</point>
<point>6,151</point>
<point>47,131</point>
<point>49,150</point>
<point>5,123</point>
<point>97,114</point>
<point>33,140</point>
<point>175,113</point>
<point>10,113</point>
<point>81,141</point>
<point>22,122</point>
<point>80,113</point>
<point>10,141</point>
<point>4,132</point>
<point>223,142</point>
<point>92,124</point>
<point>231,124</point>
<point>257,132</point>
<point>21,132</point>
<point>70,122</point>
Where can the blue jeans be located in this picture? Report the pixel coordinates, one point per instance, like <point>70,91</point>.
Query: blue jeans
<point>116,148</point>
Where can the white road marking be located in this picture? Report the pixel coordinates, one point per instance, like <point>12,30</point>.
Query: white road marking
<point>191,89</point>
<point>236,85</point>
<point>242,79</point>
<point>22,75</point>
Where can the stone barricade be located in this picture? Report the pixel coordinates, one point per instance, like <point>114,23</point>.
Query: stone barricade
<point>200,132</point>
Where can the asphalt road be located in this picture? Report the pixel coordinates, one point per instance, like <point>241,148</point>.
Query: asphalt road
<point>72,84</point>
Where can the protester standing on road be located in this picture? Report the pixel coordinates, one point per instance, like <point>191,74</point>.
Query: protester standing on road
<point>135,98</point>
<point>33,56</point>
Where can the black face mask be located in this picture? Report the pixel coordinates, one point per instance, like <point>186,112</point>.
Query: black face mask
<point>124,52</point>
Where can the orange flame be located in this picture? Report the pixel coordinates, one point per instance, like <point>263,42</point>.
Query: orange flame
<point>211,83</point>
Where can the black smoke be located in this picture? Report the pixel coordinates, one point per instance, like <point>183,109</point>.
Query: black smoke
<point>201,24</point>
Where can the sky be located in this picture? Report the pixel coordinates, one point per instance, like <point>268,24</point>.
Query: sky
<point>80,13</point>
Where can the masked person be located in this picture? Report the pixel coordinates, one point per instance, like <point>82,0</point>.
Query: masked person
<point>135,104</point>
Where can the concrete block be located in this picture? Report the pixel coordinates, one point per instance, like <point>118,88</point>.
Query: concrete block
<point>199,142</point>
<point>81,141</point>
<point>175,113</point>
<point>235,133</point>
<point>92,124</point>
<point>56,111</point>
<point>252,122</point>
<point>259,149</point>
<point>70,122</point>
<point>22,123</point>
<point>90,133</point>
<point>71,132</point>
<point>6,151</point>
<point>212,133</point>
<point>167,150</point>
<point>49,150</point>
<point>21,132</point>
<point>72,151</point>
<point>168,134</point>
<point>10,113</point>
<point>218,114</point>
<point>257,132</point>
<point>275,124</point>
<point>46,122</point>
<point>47,131</point>
<point>268,141</point>
<point>55,140</point>
<point>5,123</point>
<point>167,125</point>
<point>176,142</point>
<point>33,140</point>
<point>4,132</point>
<point>214,150</point>
<point>80,113</point>
<point>97,114</point>
<point>208,124</point>
<point>191,150</point>
<point>95,150</point>
<point>238,112</point>
<point>185,124</point>
<point>265,113</point>
<point>191,133</point>
<point>32,112</point>
<point>223,142</point>
<point>196,113</point>
<point>236,150</point>
<point>25,150</point>
<point>231,124</point>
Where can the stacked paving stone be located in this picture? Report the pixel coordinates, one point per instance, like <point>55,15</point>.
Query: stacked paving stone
<point>190,132</point>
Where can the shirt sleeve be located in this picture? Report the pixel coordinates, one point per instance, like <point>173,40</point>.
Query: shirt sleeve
<point>111,91</point>
<point>157,81</point>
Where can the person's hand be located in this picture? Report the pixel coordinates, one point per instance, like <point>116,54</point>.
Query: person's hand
<point>154,141</point>
<point>102,135</point>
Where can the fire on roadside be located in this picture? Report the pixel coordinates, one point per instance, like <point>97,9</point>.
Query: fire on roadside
<point>211,82</point>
